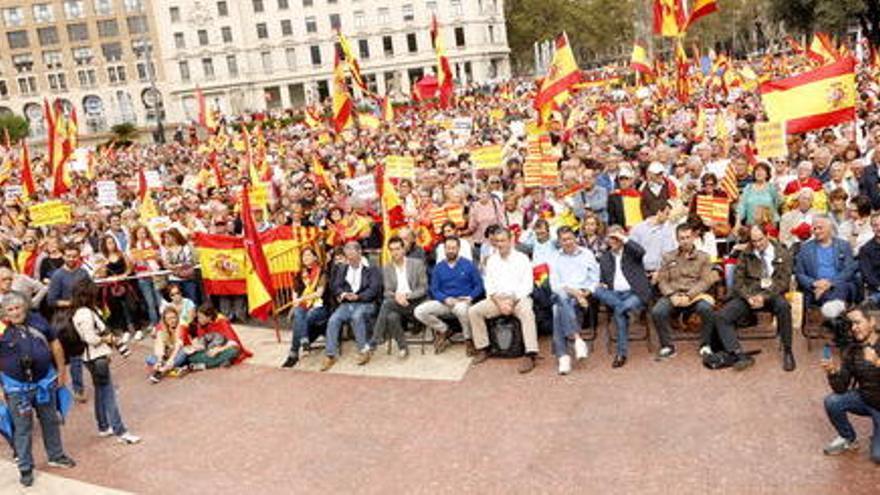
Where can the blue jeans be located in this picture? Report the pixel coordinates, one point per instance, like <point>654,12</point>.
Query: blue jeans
<point>837,406</point>
<point>303,321</point>
<point>106,411</point>
<point>358,315</point>
<point>21,407</point>
<point>623,303</point>
<point>76,374</point>
<point>565,322</point>
<point>151,299</point>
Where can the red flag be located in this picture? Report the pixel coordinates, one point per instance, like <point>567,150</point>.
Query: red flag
<point>257,276</point>
<point>142,185</point>
<point>27,177</point>
<point>444,71</point>
<point>218,175</point>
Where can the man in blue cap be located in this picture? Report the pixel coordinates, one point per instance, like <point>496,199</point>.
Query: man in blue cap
<point>29,358</point>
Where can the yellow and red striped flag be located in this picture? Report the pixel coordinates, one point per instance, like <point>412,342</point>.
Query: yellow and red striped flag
<point>343,115</point>
<point>729,184</point>
<point>444,71</point>
<point>562,75</point>
<point>699,9</point>
<point>639,61</point>
<point>258,280</point>
<point>822,50</point>
<point>822,97</point>
<point>27,176</point>
<point>669,19</point>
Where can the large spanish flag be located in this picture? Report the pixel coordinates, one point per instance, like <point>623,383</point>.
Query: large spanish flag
<point>819,98</point>
<point>669,19</point>
<point>444,70</point>
<point>640,62</point>
<point>699,9</point>
<point>562,75</point>
<point>258,280</point>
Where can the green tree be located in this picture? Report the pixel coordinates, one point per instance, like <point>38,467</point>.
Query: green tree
<point>15,125</point>
<point>124,133</point>
<point>834,16</point>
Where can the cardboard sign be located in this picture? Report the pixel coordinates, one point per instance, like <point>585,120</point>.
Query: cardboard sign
<point>487,157</point>
<point>108,193</point>
<point>50,213</point>
<point>362,189</point>
<point>770,139</point>
<point>400,167</point>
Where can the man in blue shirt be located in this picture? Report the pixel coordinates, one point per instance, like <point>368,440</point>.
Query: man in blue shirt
<point>455,285</point>
<point>574,275</point>
<point>65,278</point>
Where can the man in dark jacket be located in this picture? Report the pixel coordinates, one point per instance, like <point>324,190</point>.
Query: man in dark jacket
<point>761,279</point>
<point>856,385</point>
<point>869,263</point>
<point>869,182</point>
<point>357,287</point>
<point>623,285</point>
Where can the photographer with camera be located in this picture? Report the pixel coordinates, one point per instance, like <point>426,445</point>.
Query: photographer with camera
<point>30,358</point>
<point>98,339</point>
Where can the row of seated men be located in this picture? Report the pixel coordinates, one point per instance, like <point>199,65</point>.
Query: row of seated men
<point>376,303</point>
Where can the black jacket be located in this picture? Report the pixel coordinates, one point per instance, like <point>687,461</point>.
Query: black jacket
<point>632,267</point>
<point>869,264</point>
<point>869,185</point>
<point>857,374</point>
<point>371,283</point>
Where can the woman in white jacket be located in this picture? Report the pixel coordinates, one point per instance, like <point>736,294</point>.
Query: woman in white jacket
<point>98,340</point>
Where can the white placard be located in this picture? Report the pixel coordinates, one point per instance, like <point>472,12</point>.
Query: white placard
<point>12,191</point>
<point>463,127</point>
<point>108,193</point>
<point>153,180</point>
<point>79,161</point>
<point>362,189</point>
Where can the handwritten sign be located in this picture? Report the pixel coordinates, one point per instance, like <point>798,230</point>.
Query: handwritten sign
<point>50,213</point>
<point>770,139</point>
<point>362,189</point>
<point>108,193</point>
<point>400,167</point>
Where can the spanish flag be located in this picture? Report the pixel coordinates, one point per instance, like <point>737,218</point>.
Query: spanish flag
<point>562,75</point>
<point>61,142</point>
<point>207,119</point>
<point>669,19</point>
<point>444,71</point>
<point>258,280</point>
<point>27,176</point>
<point>640,62</point>
<point>392,211</point>
<point>343,117</point>
<point>699,9</point>
<point>822,50</point>
<point>819,98</point>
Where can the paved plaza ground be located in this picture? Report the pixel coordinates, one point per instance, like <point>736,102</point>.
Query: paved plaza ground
<point>433,424</point>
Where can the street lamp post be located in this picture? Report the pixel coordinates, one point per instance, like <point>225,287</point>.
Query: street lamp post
<point>159,103</point>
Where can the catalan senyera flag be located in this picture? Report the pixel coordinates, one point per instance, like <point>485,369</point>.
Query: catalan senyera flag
<point>258,280</point>
<point>562,75</point>
<point>713,208</point>
<point>822,50</point>
<point>699,9</point>
<point>669,19</point>
<point>682,81</point>
<point>311,118</point>
<point>343,114</point>
<point>207,118</point>
<point>729,182</point>
<point>822,97</point>
<point>639,61</point>
<point>351,61</point>
<point>444,71</point>
<point>27,176</point>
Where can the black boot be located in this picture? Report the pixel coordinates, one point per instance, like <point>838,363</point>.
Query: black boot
<point>292,357</point>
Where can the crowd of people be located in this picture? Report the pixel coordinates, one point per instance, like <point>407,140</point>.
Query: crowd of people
<point>618,226</point>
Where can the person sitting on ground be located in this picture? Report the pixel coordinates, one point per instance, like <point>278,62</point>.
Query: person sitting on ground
<point>760,280</point>
<point>405,283</point>
<point>624,286</point>
<point>856,385</point>
<point>509,284</point>
<point>168,345</point>
<point>574,275</point>
<point>455,285</point>
<point>217,341</point>
<point>309,309</point>
<point>356,286</point>
<point>684,279</point>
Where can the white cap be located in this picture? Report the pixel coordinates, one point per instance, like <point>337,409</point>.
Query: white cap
<point>656,168</point>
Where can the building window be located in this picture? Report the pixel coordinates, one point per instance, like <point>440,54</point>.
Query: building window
<point>174,12</point>
<point>23,63</point>
<point>412,43</point>
<point>57,82</point>
<point>179,41</point>
<point>108,28</point>
<point>459,37</point>
<point>491,34</point>
<point>208,68</point>
<point>290,58</point>
<point>83,56</point>
<point>134,5</point>
<point>144,71</point>
<point>311,24</point>
<point>53,59</point>
<point>266,58</point>
<point>116,74</point>
<point>283,4</point>
<point>203,37</point>
<point>359,19</point>
<point>43,13</point>
<point>286,28</point>
<point>18,39</point>
<point>364,48</point>
<point>258,6</point>
<point>48,35</point>
<point>104,7</point>
<point>74,9</point>
<point>315,52</point>
<point>388,46</point>
<point>112,52</point>
<point>4,90</point>
<point>137,24</point>
<point>232,65</point>
<point>141,48</point>
<point>335,22</point>
<point>183,68</point>
<point>87,78</point>
<point>408,14</point>
<point>383,15</point>
<point>262,31</point>
<point>222,9</point>
<point>226,34</point>
<point>455,6</point>
<point>12,17</point>
<point>78,32</point>
<point>27,85</point>
<point>308,3</point>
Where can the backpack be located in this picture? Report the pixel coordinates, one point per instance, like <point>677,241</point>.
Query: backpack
<point>71,342</point>
<point>505,338</point>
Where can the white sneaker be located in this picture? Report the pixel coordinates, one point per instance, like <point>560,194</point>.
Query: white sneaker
<point>565,365</point>
<point>128,439</point>
<point>125,338</point>
<point>705,350</point>
<point>581,351</point>
<point>105,433</point>
<point>139,335</point>
<point>840,445</point>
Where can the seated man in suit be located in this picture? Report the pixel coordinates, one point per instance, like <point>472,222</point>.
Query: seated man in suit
<point>405,284</point>
<point>356,286</point>
<point>826,273</point>
<point>869,263</point>
<point>623,285</point>
<point>684,278</point>
<point>509,284</point>
<point>760,281</point>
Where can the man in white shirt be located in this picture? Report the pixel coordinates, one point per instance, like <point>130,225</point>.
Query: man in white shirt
<point>508,282</point>
<point>657,236</point>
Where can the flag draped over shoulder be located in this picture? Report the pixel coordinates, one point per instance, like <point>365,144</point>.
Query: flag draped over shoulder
<point>444,71</point>
<point>258,280</point>
<point>819,98</point>
<point>562,75</point>
<point>669,19</point>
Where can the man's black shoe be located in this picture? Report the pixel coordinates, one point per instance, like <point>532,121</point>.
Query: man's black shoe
<point>788,363</point>
<point>290,362</point>
<point>27,477</point>
<point>619,361</point>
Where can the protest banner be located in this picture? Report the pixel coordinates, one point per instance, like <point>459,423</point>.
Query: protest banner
<point>400,167</point>
<point>48,213</point>
<point>108,193</point>
<point>486,157</point>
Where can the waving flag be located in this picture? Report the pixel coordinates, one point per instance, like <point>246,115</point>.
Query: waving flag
<point>342,105</point>
<point>351,61</point>
<point>699,9</point>
<point>258,279</point>
<point>640,62</point>
<point>27,176</point>
<point>207,118</point>
<point>822,50</point>
<point>562,75</point>
<point>444,71</point>
<point>823,97</point>
<point>669,19</point>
